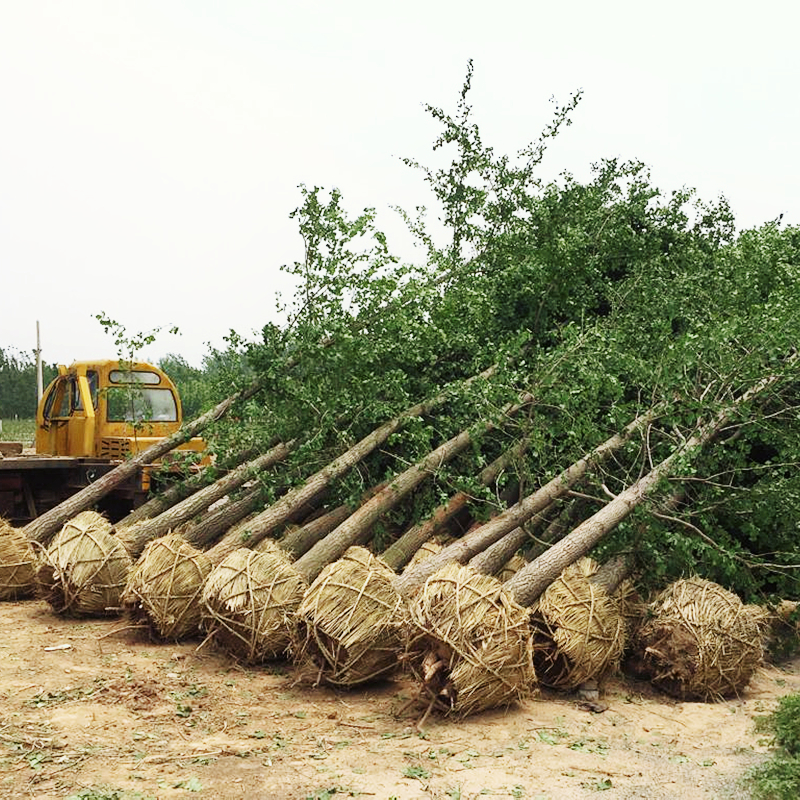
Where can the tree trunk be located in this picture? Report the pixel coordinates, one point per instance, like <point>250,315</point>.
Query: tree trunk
<point>491,560</point>
<point>401,552</point>
<point>358,526</point>
<point>135,538</point>
<point>478,540</point>
<point>301,540</point>
<point>178,491</point>
<point>165,499</point>
<point>611,574</point>
<point>43,527</point>
<point>204,532</point>
<point>278,513</point>
<point>530,582</point>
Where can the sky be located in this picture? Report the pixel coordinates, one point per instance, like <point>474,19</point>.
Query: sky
<point>151,152</point>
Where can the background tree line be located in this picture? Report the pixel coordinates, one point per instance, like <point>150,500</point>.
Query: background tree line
<point>18,381</point>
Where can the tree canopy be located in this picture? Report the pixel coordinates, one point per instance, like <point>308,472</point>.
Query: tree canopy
<point>602,298</point>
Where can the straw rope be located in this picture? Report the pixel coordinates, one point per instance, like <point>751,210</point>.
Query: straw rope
<point>351,624</point>
<point>471,648</point>
<point>17,563</point>
<point>164,587</point>
<point>579,630</point>
<point>700,642</point>
<point>249,601</point>
<point>85,568</point>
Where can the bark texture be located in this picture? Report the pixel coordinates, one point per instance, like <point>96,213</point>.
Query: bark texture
<point>302,539</point>
<point>478,540</point>
<point>402,551</point>
<point>136,538</point>
<point>357,528</point>
<point>280,512</point>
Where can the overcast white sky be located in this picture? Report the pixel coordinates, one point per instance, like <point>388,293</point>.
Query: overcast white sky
<point>150,152</point>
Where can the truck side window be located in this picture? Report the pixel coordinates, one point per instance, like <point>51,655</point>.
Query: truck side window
<point>49,402</point>
<point>77,405</point>
<point>64,408</point>
<point>93,379</point>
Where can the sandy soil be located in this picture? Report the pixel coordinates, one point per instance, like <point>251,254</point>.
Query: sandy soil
<point>87,706</point>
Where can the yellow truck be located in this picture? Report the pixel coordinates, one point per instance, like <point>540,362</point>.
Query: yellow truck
<point>91,417</point>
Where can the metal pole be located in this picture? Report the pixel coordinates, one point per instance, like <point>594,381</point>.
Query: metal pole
<point>38,351</point>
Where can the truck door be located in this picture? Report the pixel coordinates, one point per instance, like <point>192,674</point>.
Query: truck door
<point>52,435</point>
<point>81,428</point>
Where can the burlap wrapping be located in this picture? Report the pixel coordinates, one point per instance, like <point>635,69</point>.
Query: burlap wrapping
<point>579,630</point>
<point>471,645</point>
<point>700,641</point>
<point>17,563</point>
<point>85,568</point>
<point>164,587</point>
<point>249,601</point>
<point>351,624</point>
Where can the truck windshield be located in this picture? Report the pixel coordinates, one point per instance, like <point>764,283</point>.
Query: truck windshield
<point>140,404</point>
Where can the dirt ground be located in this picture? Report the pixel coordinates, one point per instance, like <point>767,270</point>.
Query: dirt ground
<point>91,711</point>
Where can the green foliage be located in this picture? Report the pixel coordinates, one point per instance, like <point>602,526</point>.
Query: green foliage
<point>195,386</point>
<point>129,345</point>
<point>783,724</point>
<point>779,778</point>
<point>600,297</point>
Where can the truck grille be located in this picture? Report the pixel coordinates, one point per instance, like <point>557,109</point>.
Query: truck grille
<point>115,447</point>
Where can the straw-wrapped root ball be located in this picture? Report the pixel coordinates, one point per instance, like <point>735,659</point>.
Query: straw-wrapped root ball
<point>511,568</point>
<point>426,550</point>
<point>17,563</point>
<point>84,570</point>
<point>249,601</point>
<point>471,646</point>
<point>352,623</point>
<point>579,630</point>
<point>700,641</point>
<point>164,587</point>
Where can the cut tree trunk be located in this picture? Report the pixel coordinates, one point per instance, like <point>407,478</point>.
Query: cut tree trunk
<point>478,540</point>
<point>135,538</point>
<point>357,528</point>
<point>301,540</point>
<point>529,583</point>
<point>178,491</point>
<point>496,556</point>
<point>202,533</point>
<point>278,513</point>
<point>165,499</point>
<point>402,551</point>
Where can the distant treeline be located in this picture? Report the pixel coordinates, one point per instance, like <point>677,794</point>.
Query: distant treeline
<point>18,383</point>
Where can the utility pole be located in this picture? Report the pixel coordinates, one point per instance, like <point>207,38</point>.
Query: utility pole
<point>38,352</point>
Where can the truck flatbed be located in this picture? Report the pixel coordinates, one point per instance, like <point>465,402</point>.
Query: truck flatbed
<point>34,483</point>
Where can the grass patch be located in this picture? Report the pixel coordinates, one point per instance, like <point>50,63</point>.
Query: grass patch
<point>18,430</point>
<point>779,778</point>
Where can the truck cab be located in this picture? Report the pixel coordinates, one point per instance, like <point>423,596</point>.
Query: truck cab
<point>108,409</point>
<point>94,415</point>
